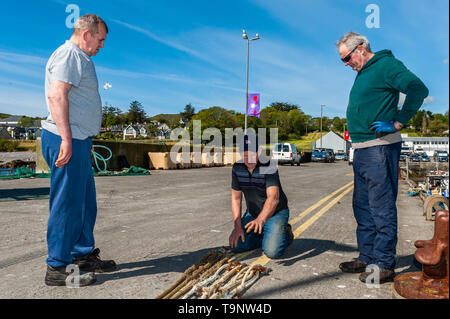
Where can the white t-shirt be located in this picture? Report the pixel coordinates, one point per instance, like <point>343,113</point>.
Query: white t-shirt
<point>72,65</point>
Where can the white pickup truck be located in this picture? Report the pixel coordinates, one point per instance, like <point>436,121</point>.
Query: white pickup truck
<point>286,153</point>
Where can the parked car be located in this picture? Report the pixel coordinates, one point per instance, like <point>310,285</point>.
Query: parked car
<point>320,155</point>
<point>286,153</point>
<point>440,156</point>
<point>414,157</point>
<point>403,157</point>
<point>341,156</point>
<point>332,155</point>
<point>406,150</point>
<point>424,157</point>
<point>419,150</point>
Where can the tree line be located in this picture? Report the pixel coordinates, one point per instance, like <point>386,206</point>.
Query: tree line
<point>291,121</point>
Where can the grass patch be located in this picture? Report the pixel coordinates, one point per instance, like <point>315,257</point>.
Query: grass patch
<point>8,145</point>
<point>304,144</point>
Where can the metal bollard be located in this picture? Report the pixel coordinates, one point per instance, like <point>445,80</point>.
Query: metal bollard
<point>432,281</point>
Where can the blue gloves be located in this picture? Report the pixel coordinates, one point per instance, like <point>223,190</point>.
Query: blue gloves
<point>383,127</point>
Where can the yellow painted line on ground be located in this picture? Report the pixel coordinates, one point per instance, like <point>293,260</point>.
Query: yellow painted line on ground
<point>244,254</point>
<point>311,221</point>
<point>295,220</point>
<point>297,232</point>
<point>298,218</point>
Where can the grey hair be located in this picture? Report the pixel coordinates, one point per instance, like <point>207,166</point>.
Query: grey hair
<point>352,40</point>
<point>89,22</point>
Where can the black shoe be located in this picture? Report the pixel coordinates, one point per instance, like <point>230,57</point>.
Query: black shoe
<point>92,262</point>
<point>354,266</point>
<point>290,233</point>
<point>385,275</point>
<point>59,277</point>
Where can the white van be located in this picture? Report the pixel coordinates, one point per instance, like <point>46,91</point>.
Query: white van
<point>286,153</point>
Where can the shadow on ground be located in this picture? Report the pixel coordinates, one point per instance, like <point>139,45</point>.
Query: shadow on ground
<point>300,249</point>
<point>18,194</point>
<point>179,263</point>
<point>304,248</point>
<point>176,263</point>
<point>402,261</point>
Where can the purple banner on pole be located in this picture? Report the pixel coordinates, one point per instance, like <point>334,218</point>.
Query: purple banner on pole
<point>253,106</point>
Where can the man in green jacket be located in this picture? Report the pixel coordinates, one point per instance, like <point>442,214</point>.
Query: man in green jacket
<point>374,123</point>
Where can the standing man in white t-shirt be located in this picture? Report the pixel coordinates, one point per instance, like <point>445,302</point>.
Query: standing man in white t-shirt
<point>75,112</point>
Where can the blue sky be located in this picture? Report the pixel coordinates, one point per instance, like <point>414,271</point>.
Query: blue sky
<point>167,53</point>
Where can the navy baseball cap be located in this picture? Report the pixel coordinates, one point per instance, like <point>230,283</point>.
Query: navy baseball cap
<point>249,143</point>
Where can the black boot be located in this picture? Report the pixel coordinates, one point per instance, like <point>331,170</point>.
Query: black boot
<point>354,266</point>
<point>385,275</point>
<point>60,277</point>
<point>92,262</point>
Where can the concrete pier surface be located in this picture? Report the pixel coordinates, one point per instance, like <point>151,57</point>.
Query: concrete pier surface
<point>157,226</point>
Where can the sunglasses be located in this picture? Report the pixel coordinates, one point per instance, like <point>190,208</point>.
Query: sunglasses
<point>349,55</point>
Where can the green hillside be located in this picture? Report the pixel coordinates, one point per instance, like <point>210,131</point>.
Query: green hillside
<point>4,115</point>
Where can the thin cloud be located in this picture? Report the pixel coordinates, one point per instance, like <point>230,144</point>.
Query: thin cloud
<point>428,100</point>
<point>20,69</point>
<point>141,76</point>
<point>22,58</point>
<point>153,36</point>
<point>26,101</point>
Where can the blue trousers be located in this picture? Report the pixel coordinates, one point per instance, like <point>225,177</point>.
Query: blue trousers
<point>374,203</point>
<point>73,206</point>
<point>274,238</point>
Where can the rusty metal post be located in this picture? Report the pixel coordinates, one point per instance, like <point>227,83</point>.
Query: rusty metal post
<point>432,281</point>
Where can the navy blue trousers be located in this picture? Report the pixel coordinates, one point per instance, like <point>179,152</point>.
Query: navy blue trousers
<point>374,203</point>
<point>73,205</point>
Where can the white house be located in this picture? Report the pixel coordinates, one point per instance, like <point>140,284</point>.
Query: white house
<point>131,131</point>
<point>163,131</point>
<point>143,131</point>
<point>334,141</point>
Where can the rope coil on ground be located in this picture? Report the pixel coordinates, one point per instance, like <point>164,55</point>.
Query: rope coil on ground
<point>217,275</point>
<point>97,157</point>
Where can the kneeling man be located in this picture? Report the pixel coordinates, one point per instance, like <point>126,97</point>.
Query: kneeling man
<point>265,223</point>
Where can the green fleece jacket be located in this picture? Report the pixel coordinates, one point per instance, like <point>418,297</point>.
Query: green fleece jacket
<point>375,94</point>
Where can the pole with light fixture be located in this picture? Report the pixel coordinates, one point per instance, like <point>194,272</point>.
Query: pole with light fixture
<point>245,37</point>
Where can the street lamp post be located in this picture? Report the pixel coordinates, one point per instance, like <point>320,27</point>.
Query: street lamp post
<point>321,112</point>
<point>245,37</point>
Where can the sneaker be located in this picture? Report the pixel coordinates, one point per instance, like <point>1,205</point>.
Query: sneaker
<point>290,233</point>
<point>58,276</point>
<point>354,266</point>
<point>386,275</point>
<point>92,262</point>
